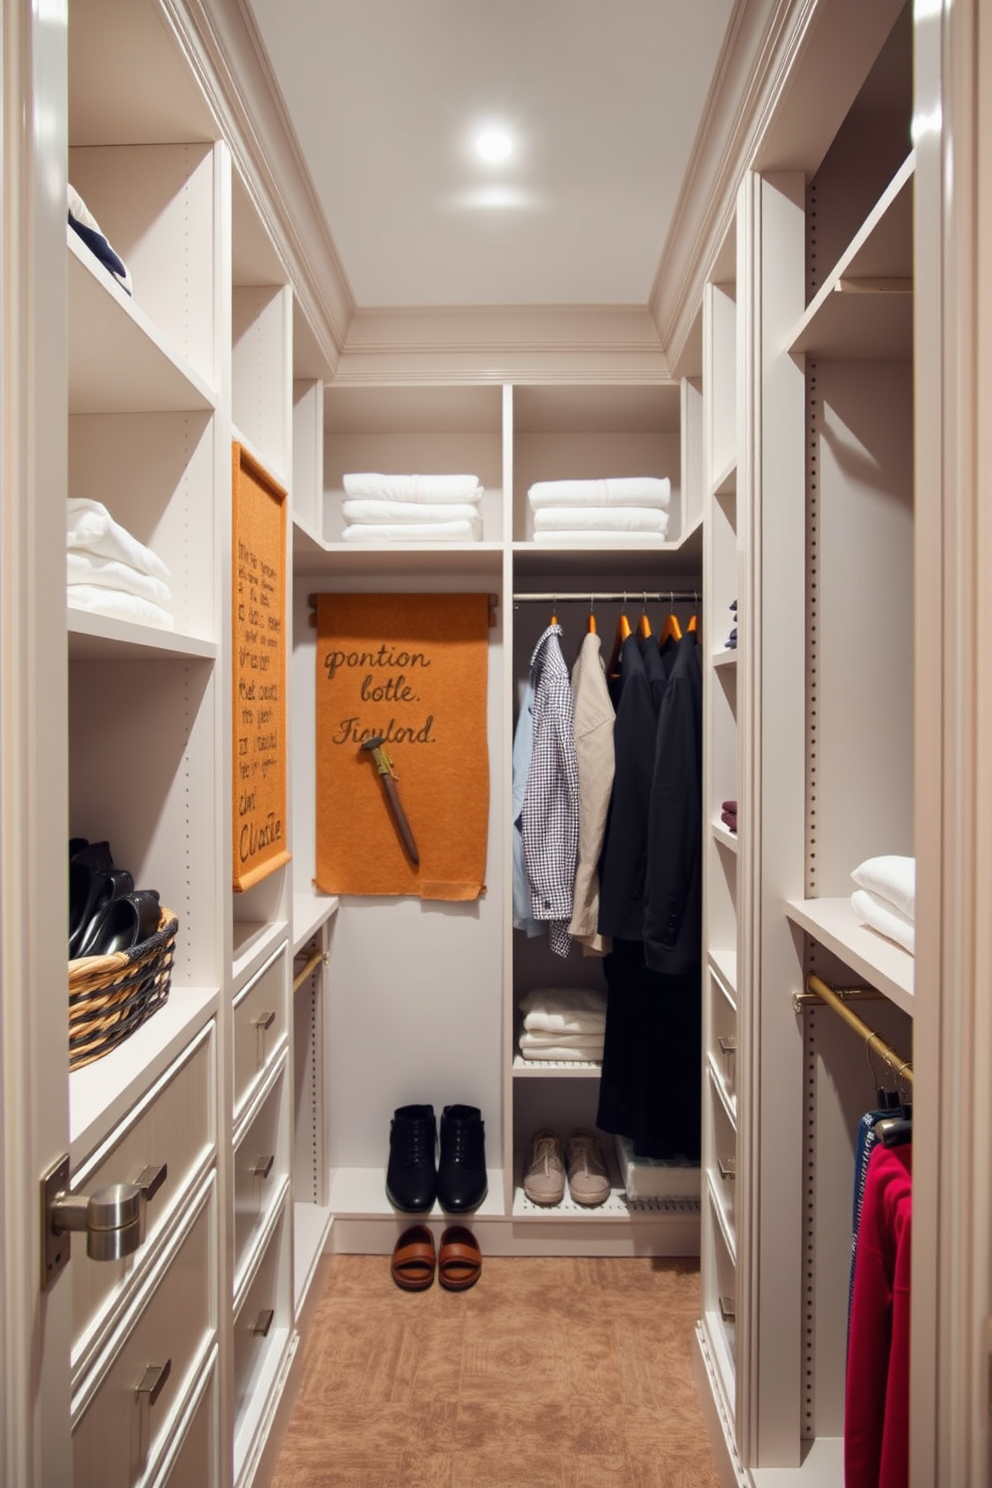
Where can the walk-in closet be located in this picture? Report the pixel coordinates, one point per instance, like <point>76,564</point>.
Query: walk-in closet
<point>785,432</point>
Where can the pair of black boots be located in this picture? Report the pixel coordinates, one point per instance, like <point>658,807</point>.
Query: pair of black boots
<point>106,912</point>
<point>416,1176</point>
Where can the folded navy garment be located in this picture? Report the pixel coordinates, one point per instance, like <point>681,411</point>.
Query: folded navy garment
<point>98,245</point>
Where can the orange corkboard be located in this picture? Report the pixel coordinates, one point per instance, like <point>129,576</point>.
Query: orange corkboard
<point>259,672</point>
<point>413,670</point>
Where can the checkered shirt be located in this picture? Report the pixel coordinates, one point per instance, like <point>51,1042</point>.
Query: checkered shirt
<point>549,823</point>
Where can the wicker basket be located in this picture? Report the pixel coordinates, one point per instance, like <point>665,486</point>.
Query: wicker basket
<point>111,996</point>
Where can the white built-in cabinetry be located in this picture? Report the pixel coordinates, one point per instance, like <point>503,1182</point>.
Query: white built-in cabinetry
<point>221,1085</point>
<point>807,383</point>
<point>426,994</point>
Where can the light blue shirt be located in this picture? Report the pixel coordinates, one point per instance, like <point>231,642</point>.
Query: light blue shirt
<point>523,743</point>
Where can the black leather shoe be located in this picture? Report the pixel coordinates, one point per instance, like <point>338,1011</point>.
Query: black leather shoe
<point>461,1171</point>
<point>411,1174</point>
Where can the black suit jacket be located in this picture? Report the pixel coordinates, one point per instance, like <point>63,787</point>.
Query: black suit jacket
<point>672,924</point>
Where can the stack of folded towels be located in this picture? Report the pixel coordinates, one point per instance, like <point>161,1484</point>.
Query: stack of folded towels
<point>627,511</point>
<point>885,898</point>
<point>563,1023</point>
<point>412,508</point>
<point>109,571</point>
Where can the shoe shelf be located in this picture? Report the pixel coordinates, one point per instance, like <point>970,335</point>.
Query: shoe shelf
<point>360,1193</point>
<point>617,1207</point>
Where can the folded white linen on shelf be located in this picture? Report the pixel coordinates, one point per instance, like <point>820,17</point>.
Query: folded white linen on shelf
<point>891,878</point>
<point>529,1040</point>
<point>624,490</point>
<point>599,539</point>
<point>417,488</point>
<point>601,518</point>
<point>882,916</point>
<point>381,532</point>
<point>91,529</point>
<point>408,511</point>
<point>87,568</point>
<point>591,1055</point>
<point>118,605</point>
<point>564,1010</point>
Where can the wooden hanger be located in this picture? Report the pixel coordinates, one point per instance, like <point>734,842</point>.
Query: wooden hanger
<point>672,630</point>
<point>591,621</point>
<point>644,624</point>
<point>623,631</point>
<point>693,618</point>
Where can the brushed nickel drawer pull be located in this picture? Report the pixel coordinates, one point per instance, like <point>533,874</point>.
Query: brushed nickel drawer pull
<point>263,1322</point>
<point>728,1310</point>
<point>152,1381</point>
<point>263,1167</point>
<point>264,1021</point>
<point>727,1166</point>
<point>727,1043</point>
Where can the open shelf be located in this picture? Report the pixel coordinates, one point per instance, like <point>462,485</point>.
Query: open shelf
<point>835,925</point>
<point>96,637</point>
<point>864,309</point>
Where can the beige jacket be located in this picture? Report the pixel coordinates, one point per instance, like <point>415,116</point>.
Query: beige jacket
<point>594,718</point>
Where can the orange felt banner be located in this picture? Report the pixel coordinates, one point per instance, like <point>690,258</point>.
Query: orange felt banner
<point>258,543</point>
<point>413,670</point>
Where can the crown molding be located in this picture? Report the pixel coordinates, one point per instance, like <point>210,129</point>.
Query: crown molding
<point>503,343</point>
<point>761,41</point>
<point>222,45</point>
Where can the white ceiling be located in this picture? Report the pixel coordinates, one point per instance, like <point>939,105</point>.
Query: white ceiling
<point>604,100</point>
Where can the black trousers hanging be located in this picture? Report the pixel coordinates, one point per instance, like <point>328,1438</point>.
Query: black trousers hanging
<point>651,1085</point>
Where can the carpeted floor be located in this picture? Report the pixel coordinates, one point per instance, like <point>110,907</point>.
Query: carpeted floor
<point>549,1373</point>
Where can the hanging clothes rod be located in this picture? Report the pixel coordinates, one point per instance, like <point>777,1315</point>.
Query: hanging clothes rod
<point>837,1000</point>
<point>603,596</point>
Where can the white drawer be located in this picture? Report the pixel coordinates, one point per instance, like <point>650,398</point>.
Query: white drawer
<point>174,1125</point>
<point>118,1430</point>
<point>261,1163</point>
<point>196,1464</point>
<point>262,1321</point>
<point>259,1025</point>
<point>724,1166</point>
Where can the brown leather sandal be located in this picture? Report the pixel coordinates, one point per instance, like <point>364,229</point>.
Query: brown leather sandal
<point>459,1259</point>
<point>413,1259</point>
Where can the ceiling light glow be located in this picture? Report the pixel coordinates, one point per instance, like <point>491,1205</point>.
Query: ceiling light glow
<point>494,145</point>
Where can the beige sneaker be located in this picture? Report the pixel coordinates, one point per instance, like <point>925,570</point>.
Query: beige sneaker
<point>588,1175</point>
<point>544,1171</point>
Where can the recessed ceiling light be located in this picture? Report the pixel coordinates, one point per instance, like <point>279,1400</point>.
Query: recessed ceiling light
<point>494,145</point>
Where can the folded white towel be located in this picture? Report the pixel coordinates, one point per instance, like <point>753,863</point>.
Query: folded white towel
<point>118,605</point>
<point>625,490</point>
<point>564,1009</point>
<point>427,532</point>
<point>529,1040</point>
<point>583,1056</point>
<point>413,487</point>
<point>880,915</point>
<point>408,511</point>
<point>601,518</point>
<point>85,568</point>
<point>599,539</point>
<point>891,878</point>
<point>90,527</point>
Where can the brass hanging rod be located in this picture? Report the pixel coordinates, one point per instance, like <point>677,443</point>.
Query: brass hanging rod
<point>603,596</point>
<point>311,965</point>
<point>817,990</point>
